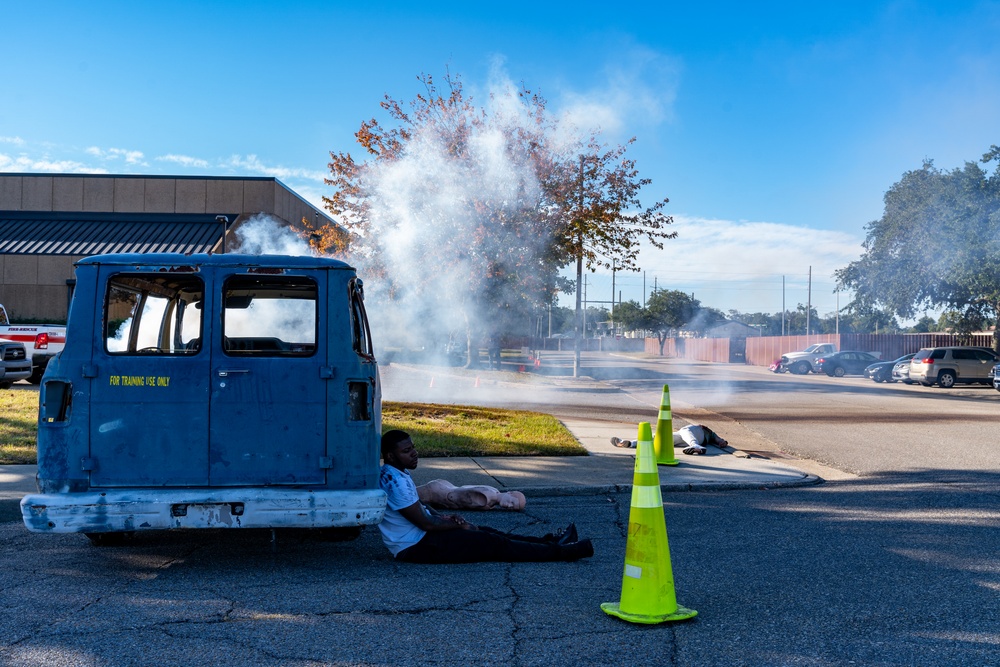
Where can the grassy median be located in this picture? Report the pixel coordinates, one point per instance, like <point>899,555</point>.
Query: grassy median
<point>18,425</point>
<point>437,430</point>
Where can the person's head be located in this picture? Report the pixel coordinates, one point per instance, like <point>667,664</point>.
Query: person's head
<point>398,450</point>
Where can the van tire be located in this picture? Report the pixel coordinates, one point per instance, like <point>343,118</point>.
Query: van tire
<point>946,379</point>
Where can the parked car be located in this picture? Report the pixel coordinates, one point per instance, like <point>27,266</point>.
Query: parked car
<point>881,371</point>
<point>802,362</point>
<point>840,364</point>
<point>946,366</point>
<point>901,372</point>
<point>996,377</point>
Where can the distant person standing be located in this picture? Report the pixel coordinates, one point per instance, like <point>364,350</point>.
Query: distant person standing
<point>493,351</point>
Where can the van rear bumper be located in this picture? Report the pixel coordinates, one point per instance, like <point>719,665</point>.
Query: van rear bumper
<point>123,510</point>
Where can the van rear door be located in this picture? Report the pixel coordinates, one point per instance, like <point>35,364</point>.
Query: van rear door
<point>270,378</point>
<point>150,382</point>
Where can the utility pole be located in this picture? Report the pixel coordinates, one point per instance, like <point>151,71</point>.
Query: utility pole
<point>782,305</point>
<point>643,290</point>
<point>809,303</point>
<point>579,282</point>
<point>612,291</point>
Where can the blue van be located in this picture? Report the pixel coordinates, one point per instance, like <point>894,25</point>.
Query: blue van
<point>210,391</point>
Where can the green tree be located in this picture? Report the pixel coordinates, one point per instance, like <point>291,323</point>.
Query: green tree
<point>667,311</point>
<point>937,244</point>
<point>925,324</point>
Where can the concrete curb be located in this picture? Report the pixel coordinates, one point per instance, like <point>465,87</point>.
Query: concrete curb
<point>557,491</point>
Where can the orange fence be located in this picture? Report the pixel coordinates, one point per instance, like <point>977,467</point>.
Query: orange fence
<point>764,350</point>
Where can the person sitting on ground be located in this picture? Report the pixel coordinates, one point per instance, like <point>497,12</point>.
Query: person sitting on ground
<point>442,493</point>
<point>694,436</point>
<point>415,533</point>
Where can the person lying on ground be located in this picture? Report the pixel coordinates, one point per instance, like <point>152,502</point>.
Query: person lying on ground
<point>415,533</point>
<point>694,437</point>
<point>442,493</point>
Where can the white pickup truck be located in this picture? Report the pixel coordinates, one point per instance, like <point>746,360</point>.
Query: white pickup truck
<point>802,362</point>
<point>41,341</point>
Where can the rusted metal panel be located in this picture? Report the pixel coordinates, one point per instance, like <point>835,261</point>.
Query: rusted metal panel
<point>131,510</point>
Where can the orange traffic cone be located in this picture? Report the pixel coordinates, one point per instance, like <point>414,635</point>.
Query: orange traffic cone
<point>663,443</point>
<point>648,594</point>
<point>538,362</point>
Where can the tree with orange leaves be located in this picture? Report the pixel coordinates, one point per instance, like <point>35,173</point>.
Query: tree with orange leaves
<point>476,209</point>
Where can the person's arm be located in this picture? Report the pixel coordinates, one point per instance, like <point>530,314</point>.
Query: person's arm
<point>415,514</point>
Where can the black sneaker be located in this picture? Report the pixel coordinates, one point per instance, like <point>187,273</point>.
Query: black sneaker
<point>562,536</point>
<point>568,535</point>
<point>577,550</point>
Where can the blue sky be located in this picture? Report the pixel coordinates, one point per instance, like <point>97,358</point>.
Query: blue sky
<point>774,129</point>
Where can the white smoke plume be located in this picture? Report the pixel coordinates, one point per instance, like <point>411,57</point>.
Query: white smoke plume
<point>264,235</point>
<point>442,222</point>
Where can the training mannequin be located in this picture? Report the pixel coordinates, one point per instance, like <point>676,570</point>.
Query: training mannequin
<point>442,493</point>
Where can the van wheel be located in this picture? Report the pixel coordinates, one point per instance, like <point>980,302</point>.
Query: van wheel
<point>36,377</point>
<point>107,539</point>
<point>946,379</point>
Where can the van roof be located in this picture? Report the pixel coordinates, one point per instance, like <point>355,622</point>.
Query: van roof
<point>202,259</point>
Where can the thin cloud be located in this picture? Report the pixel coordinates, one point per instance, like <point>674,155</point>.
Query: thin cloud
<point>739,265</point>
<point>110,154</point>
<point>254,164</point>
<point>17,141</point>
<point>28,164</point>
<point>184,160</point>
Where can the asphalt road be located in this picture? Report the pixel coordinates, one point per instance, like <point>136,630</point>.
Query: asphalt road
<point>896,567</point>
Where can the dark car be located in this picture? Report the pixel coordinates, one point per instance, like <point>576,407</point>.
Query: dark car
<point>845,363</point>
<point>881,371</point>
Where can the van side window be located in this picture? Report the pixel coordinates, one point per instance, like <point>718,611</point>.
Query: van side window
<point>360,333</point>
<point>153,313</point>
<point>270,316</point>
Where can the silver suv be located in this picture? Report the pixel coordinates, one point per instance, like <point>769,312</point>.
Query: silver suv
<point>945,366</point>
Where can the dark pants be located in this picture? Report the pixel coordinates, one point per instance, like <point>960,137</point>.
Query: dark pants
<point>476,546</point>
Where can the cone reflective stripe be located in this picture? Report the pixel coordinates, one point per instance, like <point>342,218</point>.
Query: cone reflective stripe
<point>663,443</point>
<point>648,581</point>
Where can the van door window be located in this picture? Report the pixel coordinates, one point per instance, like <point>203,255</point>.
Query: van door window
<point>153,314</point>
<point>360,333</point>
<point>265,316</point>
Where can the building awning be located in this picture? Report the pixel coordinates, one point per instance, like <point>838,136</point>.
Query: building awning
<point>72,233</point>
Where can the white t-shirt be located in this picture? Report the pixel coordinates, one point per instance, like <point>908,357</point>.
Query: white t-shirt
<point>398,532</point>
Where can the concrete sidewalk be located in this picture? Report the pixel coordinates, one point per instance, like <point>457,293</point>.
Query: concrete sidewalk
<point>607,470</point>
